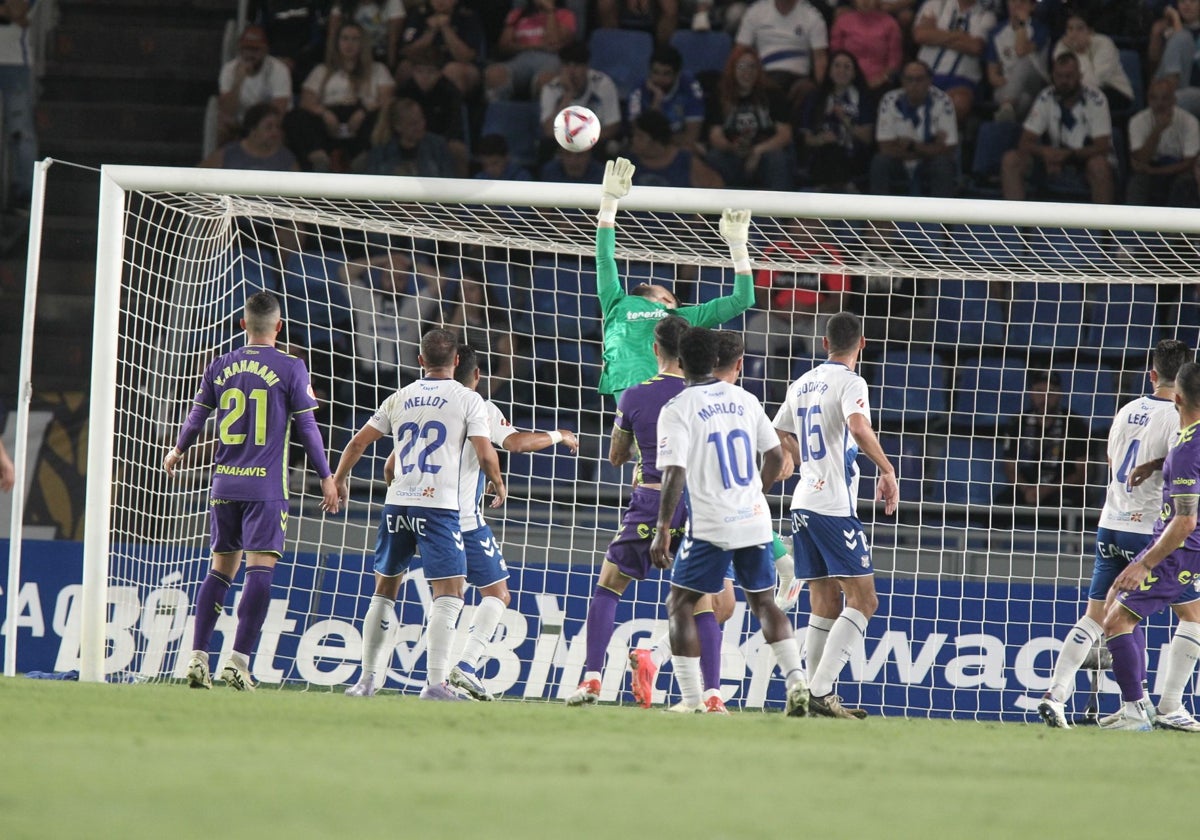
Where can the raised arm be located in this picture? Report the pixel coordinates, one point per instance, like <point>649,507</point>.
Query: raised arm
<point>537,441</point>
<point>735,230</point>
<point>618,178</point>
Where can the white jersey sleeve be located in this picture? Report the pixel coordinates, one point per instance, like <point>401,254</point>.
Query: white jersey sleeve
<point>817,407</point>
<point>472,481</point>
<point>1143,430</point>
<point>716,432</point>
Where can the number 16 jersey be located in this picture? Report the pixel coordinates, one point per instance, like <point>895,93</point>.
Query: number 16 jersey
<point>817,407</point>
<point>430,421</point>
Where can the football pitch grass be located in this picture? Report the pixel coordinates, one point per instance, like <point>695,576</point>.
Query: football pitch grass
<point>125,761</point>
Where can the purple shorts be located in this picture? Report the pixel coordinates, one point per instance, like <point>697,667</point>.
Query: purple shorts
<point>630,549</point>
<point>248,526</point>
<point>1178,573</point>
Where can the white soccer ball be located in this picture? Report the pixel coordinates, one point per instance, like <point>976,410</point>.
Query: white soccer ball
<point>576,128</point>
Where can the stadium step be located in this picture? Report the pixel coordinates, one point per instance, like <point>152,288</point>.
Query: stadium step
<point>132,123</point>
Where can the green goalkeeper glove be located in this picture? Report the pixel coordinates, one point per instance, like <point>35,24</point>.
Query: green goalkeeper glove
<point>618,178</point>
<point>735,230</point>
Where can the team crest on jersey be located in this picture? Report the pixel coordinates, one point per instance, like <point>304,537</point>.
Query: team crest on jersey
<point>428,492</point>
<point>1135,517</point>
<point>815,484</point>
<point>860,403</point>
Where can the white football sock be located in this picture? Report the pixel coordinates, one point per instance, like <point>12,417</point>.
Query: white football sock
<point>443,615</point>
<point>847,634</point>
<point>1181,664</point>
<point>687,674</point>
<point>660,649</point>
<point>1080,640</point>
<point>814,641</point>
<point>483,627</point>
<point>376,623</point>
<point>787,654</point>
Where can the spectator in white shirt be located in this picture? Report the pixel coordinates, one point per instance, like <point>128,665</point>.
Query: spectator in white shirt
<point>792,40</point>
<point>952,35</point>
<point>1164,141</point>
<point>1099,62</point>
<point>917,134</point>
<point>1018,64</point>
<point>577,84</point>
<point>254,77</point>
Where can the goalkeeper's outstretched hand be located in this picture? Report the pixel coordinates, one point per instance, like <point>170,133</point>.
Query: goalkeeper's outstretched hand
<point>618,178</point>
<point>735,228</point>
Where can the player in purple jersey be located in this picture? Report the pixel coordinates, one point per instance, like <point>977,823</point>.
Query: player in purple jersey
<point>1163,569</point>
<point>258,392</point>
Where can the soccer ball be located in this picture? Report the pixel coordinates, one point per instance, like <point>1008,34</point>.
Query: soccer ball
<point>576,128</point>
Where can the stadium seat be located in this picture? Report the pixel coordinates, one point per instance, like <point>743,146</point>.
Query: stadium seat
<point>911,388</point>
<point>518,123</point>
<point>965,316</point>
<point>972,471</point>
<point>565,303</point>
<point>624,54</point>
<point>703,52</point>
<point>1131,61</point>
<point>1090,391</point>
<point>1046,316</point>
<point>905,453</point>
<point>1122,321</point>
<point>989,243</point>
<point>988,393</point>
<point>315,302</point>
<point>993,140</point>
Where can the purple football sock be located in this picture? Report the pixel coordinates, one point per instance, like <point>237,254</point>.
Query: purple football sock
<point>602,613</point>
<point>1139,634</point>
<point>209,604</point>
<point>710,649</point>
<point>1128,656</point>
<point>252,611</point>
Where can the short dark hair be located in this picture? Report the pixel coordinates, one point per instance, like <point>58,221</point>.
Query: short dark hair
<point>656,124</point>
<point>844,332</point>
<point>261,313</point>
<point>255,114</point>
<point>438,347</point>
<point>667,333</point>
<point>667,54</point>
<point>574,52</point>
<point>468,363</point>
<point>1168,356</point>
<point>492,144</point>
<point>698,351</point>
<point>1187,383</point>
<point>730,347</point>
<point>1066,58</point>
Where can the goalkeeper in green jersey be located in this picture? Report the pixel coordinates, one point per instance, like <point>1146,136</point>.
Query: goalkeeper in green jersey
<point>630,318</point>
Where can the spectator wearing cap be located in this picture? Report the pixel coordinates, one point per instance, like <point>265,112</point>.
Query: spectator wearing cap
<point>495,163</point>
<point>674,93</point>
<point>252,78</point>
<point>577,84</point>
<point>441,101</point>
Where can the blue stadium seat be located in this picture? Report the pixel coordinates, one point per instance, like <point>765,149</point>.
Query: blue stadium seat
<point>965,316</point>
<point>993,140</point>
<point>565,303</point>
<point>1122,321</point>
<point>1090,391</point>
<point>990,243</point>
<point>972,471</point>
<point>624,54</point>
<point>703,52</point>
<point>518,123</point>
<point>641,272</point>
<point>315,302</point>
<point>989,393</point>
<point>1131,61</point>
<point>1046,315</point>
<point>905,453</point>
<point>911,388</point>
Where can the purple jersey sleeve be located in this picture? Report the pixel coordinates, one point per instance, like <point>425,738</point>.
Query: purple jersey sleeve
<point>1181,478</point>
<point>643,403</point>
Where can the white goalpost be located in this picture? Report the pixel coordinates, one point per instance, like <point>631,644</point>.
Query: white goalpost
<point>961,300</point>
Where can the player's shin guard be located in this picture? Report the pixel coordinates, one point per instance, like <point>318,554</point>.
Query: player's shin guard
<point>601,618</point>
<point>1080,640</point>
<point>483,627</point>
<point>815,637</point>
<point>1127,657</point>
<point>710,649</point>
<point>210,603</point>
<point>847,633</point>
<point>252,610</point>
<point>376,623</point>
<point>1181,664</point>
<point>443,616</point>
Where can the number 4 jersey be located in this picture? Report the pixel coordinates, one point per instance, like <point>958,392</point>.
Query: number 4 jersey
<point>1143,430</point>
<point>430,421</point>
<point>817,407</point>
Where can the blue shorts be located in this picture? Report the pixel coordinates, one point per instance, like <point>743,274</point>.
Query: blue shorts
<point>485,563</point>
<point>1115,550</point>
<point>702,567</point>
<point>1177,574</point>
<point>948,81</point>
<point>236,525</point>
<point>829,546</point>
<point>405,528</point>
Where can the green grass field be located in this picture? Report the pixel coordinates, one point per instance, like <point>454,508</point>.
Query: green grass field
<point>161,761</point>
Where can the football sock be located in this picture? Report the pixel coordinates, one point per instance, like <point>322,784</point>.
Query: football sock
<point>1126,655</point>
<point>846,634</point>
<point>443,615</point>
<point>787,654</point>
<point>376,624</point>
<point>710,649</point>
<point>602,612</point>
<point>687,674</point>
<point>252,609</point>
<point>210,603</point>
<point>1080,640</point>
<point>815,638</point>
<point>660,648</point>
<point>483,627</point>
<point>1181,664</point>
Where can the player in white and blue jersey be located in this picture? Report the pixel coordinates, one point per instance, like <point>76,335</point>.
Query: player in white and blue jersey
<point>709,438</point>
<point>1142,433</point>
<point>430,420</point>
<point>826,419</point>
<point>486,570</point>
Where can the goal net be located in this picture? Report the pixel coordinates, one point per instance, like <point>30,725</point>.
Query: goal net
<point>962,300</point>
